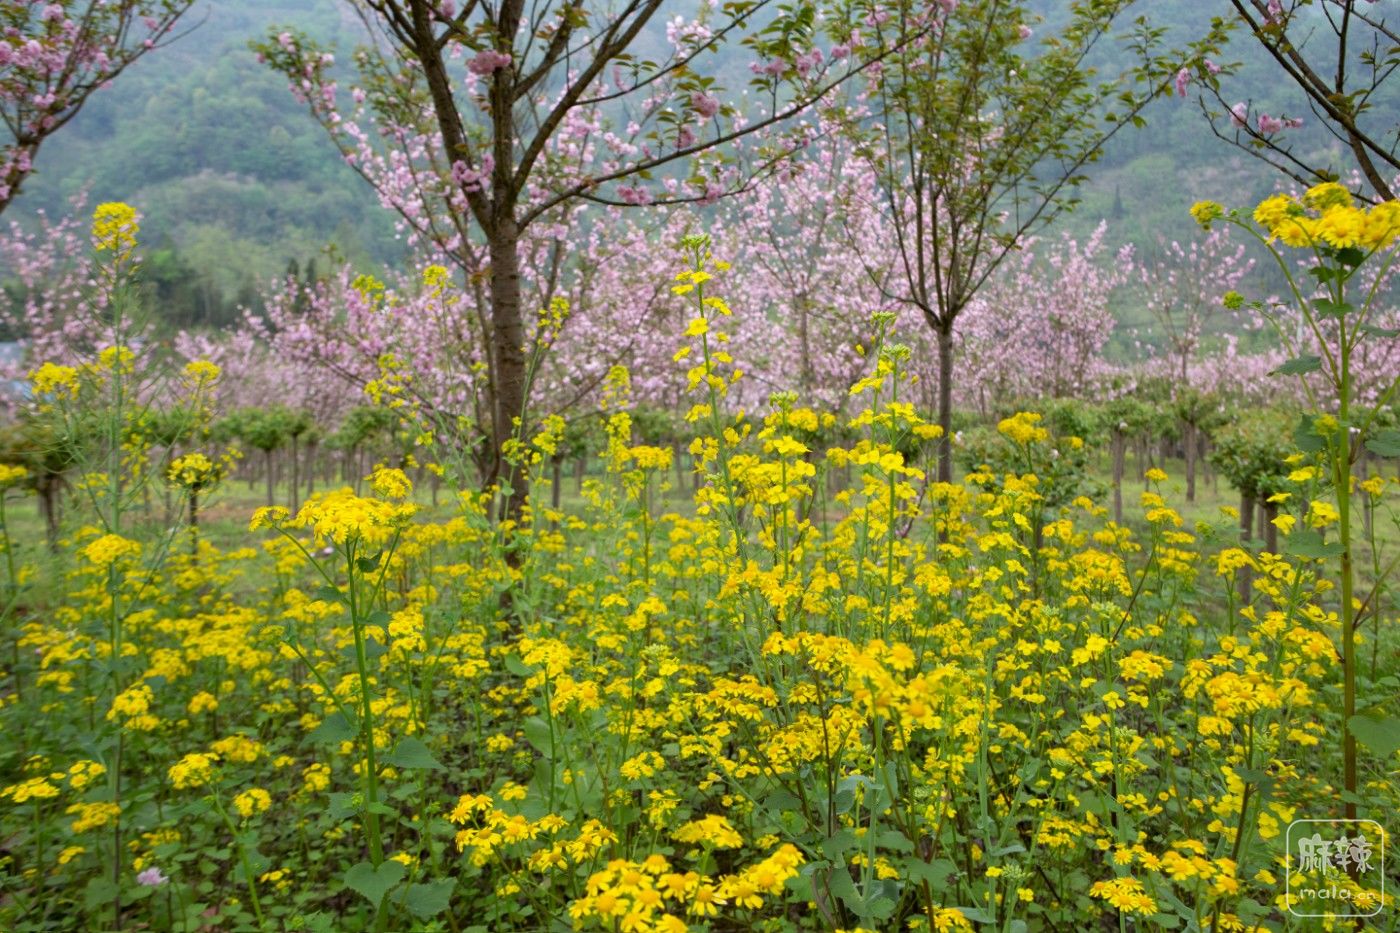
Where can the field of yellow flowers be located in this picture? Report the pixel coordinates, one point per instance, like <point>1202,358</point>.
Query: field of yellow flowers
<point>889,704</point>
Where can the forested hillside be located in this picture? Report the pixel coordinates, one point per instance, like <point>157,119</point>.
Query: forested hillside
<point>238,185</point>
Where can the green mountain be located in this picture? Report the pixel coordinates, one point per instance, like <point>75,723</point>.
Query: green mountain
<point>237,183</point>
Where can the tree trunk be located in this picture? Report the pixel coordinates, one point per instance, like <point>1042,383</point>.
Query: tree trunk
<point>194,524</point>
<point>507,339</point>
<point>296,479</point>
<point>1245,578</point>
<point>310,469</point>
<point>1270,529</point>
<point>267,460</point>
<point>48,505</point>
<point>556,467</point>
<point>1120,455</point>
<point>1189,432</point>
<point>945,402</point>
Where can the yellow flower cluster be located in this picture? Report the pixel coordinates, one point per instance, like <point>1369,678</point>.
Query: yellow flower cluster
<point>194,471</point>
<point>51,379</point>
<point>1325,217</point>
<point>1023,428</point>
<point>109,549</point>
<point>194,770</point>
<point>114,228</point>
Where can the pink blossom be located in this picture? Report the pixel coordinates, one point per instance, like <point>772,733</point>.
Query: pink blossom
<point>1212,67</point>
<point>1239,114</point>
<point>488,62</point>
<point>1183,78</point>
<point>1023,31</point>
<point>1269,125</point>
<point>151,878</point>
<point>707,105</point>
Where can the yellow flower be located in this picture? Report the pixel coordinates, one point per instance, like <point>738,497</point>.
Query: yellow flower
<point>1322,514</point>
<point>391,483</point>
<point>712,830</point>
<point>114,228</point>
<point>109,549</point>
<point>50,378</point>
<point>202,702</point>
<point>202,372</point>
<point>93,815</point>
<point>1206,211</point>
<point>1022,428</point>
<point>436,278</point>
<point>252,802</point>
<point>194,770</point>
<point>1342,227</point>
<point>1327,195</point>
<point>1382,225</point>
<point>1127,894</point>
<point>268,516</point>
<point>194,471</point>
<point>119,359</point>
<point>1274,210</point>
<point>343,516</point>
<point>11,474</point>
<point>33,789</point>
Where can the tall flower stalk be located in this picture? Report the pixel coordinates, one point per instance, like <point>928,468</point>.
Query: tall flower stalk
<point>1331,327</point>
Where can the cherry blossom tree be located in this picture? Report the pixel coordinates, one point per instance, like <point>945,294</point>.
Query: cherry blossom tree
<point>54,55</point>
<point>983,133</point>
<point>813,260</point>
<point>1336,54</point>
<point>484,122</point>
<point>1040,326</point>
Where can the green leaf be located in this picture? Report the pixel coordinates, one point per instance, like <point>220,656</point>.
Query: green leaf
<point>977,915</point>
<point>373,883</point>
<point>1385,444</point>
<point>1351,256</point>
<point>429,900</point>
<point>1336,309</point>
<point>343,805</point>
<point>894,840</point>
<point>1298,366</point>
<point>1375,331</point>
<point>412,753</point>
<point>334,728</point>
<point>537,733</point>
<point>1381,734</point>
<point>1309,543</point>
<point>99,891</point>
<point>328,594</point>
<point>517,666</point>
<point>936,873</point>
<point>1306,436</point>
<point>369,564</point>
